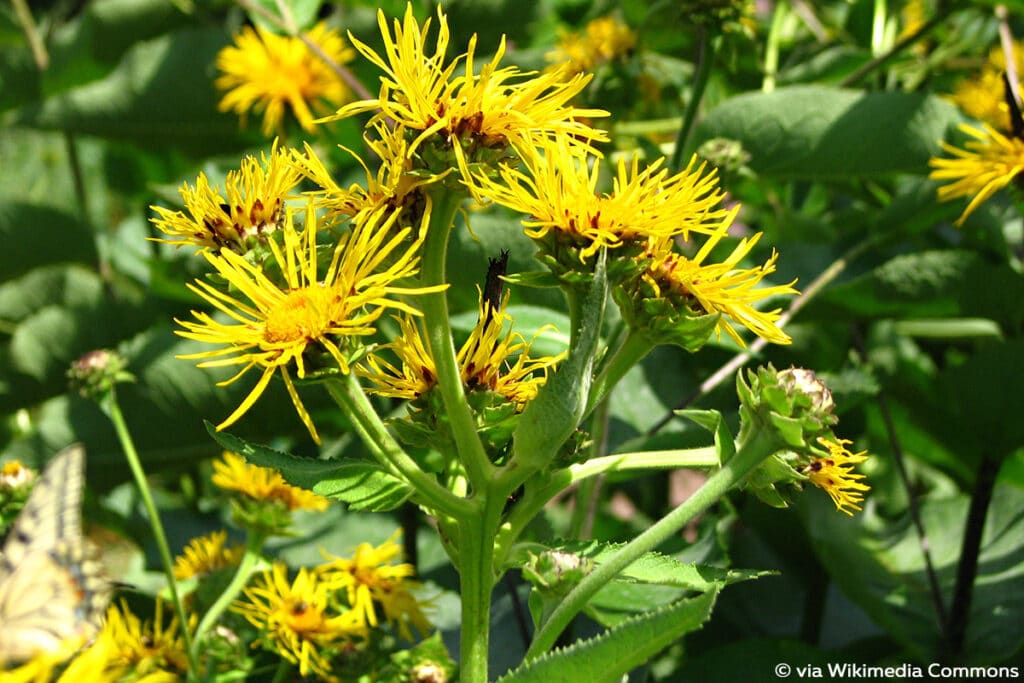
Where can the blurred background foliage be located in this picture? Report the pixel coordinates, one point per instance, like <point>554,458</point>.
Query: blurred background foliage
<point>919,334</point>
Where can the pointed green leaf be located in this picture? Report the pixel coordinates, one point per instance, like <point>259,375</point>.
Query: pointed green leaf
<point>605,658</point>
<point>362,484</point>
<point>713,421</point>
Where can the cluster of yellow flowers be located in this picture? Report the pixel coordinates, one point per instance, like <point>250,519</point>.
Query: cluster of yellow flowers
<point>509,138</point>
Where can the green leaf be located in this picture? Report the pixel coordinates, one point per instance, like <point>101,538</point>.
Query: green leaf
<point>363,485</point>
<point>821,133</point>
<point>610,655</point>
<point>713,421</point>
<point>554,414</point>
<point>878,563</point>
<point>303,13</point>
<point>160,96</point>
<point>929,285</point>
<point>35,236</point>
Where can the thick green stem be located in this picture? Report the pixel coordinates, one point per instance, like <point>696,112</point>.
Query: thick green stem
<point>476,581</point>
<point>253,546</point>
<point>750,454</point>
<point>350,396</point>
<point>113,410</point>
<point>479,469</point>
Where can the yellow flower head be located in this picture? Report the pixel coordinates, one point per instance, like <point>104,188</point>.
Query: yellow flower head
<point>558,192</point>
<point>719,287</point>
<point>493,109</point>
<point>296,620</point>
<point>392,186</point>
<point>210,553</point>
<point>264,72</point>
<point>146,647</point>
<point>14,475</point>
<point>275,326</point>
<point>602,40</point>
<point>983,95</point>
<point>253,205</point>
<point>989,163</point>
<point>493,358</point>
<point>369,578</point>
<point>233,473</point>
<point>836,477</point>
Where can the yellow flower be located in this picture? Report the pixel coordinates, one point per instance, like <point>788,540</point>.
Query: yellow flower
<point>491,110</point>
<point>493,358</point>
<point>295,619</point>
<point>266,73</point>
<point>233,473</point>
<point>277,327</point>
<point>14,475</point>
<point>558,193</point>
<point>836,477</point>
<point>989,163</point>
<point>602,40</point>
<point>210,553</point>
<point>391,186</point>
<point>369,578</point>
<point>252,205</point>
<point>147,647</point>
<point>983,95</point>
<point>719,287</point>
<point>42,666</point>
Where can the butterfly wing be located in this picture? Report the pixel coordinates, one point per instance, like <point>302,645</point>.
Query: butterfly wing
<point>50,589</point>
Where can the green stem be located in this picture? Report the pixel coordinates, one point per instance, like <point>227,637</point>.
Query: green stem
<point>750,454</point>
<point>707,46</point>
<point>113,410</point>
<point>537,495</point>
<point>630,352</point>
<point>706,456</point>
<point>771,47</point>
<point>589,490</point>
<point>476,582</point>
<point>878,27</point>
<point>253,546</point>
<point>350,396</point>
<point>479,469</point>
<point>35,42</point>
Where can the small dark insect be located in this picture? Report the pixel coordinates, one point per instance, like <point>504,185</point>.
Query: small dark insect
<point>493,285</point>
